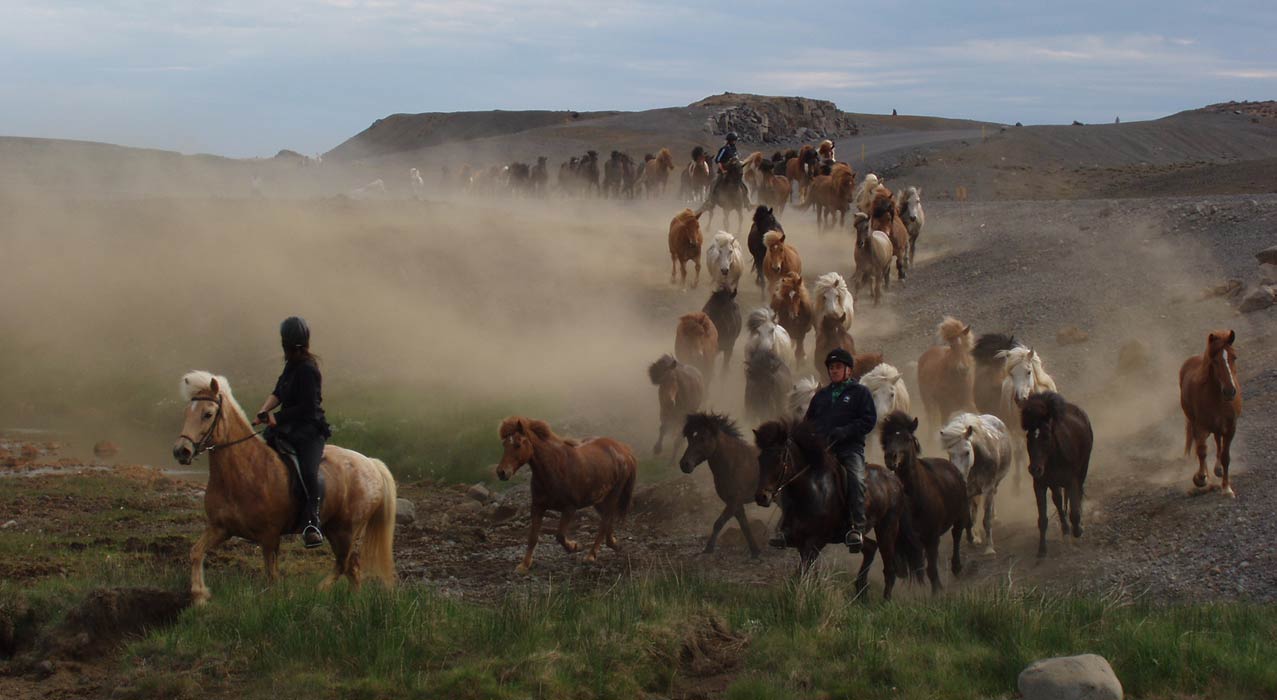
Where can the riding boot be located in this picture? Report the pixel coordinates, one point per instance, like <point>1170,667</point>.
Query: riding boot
<point>311,535</point>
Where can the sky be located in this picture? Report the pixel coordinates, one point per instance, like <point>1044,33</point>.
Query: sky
<point>249,77</point>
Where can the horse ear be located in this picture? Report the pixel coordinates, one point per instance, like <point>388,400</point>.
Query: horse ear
<point>212,386</point>
<point>913,427</point>
<point>1232,335</point>
<point>769,210</point>
<point>698,215</point>
<point>967,329</point>
<point>970,430</point>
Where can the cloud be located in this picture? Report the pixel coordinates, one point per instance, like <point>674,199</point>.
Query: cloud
<point>1251,74</point>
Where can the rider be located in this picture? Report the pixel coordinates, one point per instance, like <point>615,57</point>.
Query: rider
<point>725,155</point>
<point>300,419</point>
<point>843,411</point>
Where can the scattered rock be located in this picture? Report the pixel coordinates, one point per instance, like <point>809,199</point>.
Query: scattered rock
<point>405,511</point>
<point>1259,299</point>
<point>9,524</point>
<point>479,492</point>
<point>1267,255</point>
<point>1084,677</point>
<point>1071,335</point>
<point>105,449</point>
<point>466,508</point>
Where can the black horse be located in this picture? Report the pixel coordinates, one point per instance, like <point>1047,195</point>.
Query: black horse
<point>1060,438</point>
<point>764,221</point>
<point>723,310</point>
<point>728,193</point>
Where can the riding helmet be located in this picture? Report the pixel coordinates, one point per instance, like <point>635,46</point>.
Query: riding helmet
<point>731,136</point>
<point>840,355</point>
<point>294,333</point>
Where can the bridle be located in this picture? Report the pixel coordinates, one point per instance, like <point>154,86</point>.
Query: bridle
<point>786,463</point>
<point>205,443</point>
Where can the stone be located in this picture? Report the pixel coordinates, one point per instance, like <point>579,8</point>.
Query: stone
<point>405,511</point>
<point>9,524</point>
<point>1267,255</point>
<point>1231,288</point>
<point>1260,298</point>
<point>1071,335</point>
<point>1083,677</point>
<point>479,492</point>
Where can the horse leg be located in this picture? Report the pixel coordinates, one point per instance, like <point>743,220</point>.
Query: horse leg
<point>955,565</point>
<point>1225,457</point>
<point>1075,508</point>
<point>887,535</point>
<point>807,554</point>
<point>866,560</point>
<point>1039,494</point>
<point>1200,479</point>
<point>747,531</point>
<point>933,567</point>
<point>534,531</point>
<point>988,521</point>
<point>697,280</point>
<point>660,439</point>
<point>270,557</point>
<point>340,540</point>
<point>212,537</point>
<point>973,506</point>
<point>1057,497</point>
<point>673,268</point>
<point>718,525</point>
<point>605,528</point>
<point>565,522</point>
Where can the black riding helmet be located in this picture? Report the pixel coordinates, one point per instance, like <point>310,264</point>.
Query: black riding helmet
<point>294,333</point>
<point>840,355</point>
<point>731,136</point>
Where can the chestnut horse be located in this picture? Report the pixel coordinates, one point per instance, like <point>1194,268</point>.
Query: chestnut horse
<point>714,438</point>
<point>797,472</point>
<point>764,221</point>
<point>883,218</point>
<point>793,307</point>
<point>865,194</point>
<point>568,475</point>
<point>696,177</point>
<point>656,173</point>
<point>944,373</point>
<point>832,194</point>
<point>780,260</point>
<point>685,243</point>
<point>1211,396</point>
<point>935,489</point>
<point>800,169</point>
<point>873,259</point>
<point>1059,441</point>
<point>773,190</point>
<point>680,391</point>
<point>696,343</point>
<point>249,492</point>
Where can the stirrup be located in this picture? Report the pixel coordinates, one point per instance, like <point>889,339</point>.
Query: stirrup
<point>311,542</point>
<point>854,541</point>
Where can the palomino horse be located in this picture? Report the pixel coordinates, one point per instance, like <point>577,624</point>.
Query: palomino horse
<point>767,380</point>
<point>249,494</point>
<point>832,298</point>
<point>724,261</point>
<point>798,473</point>
<point>934,489</point>
<point>801,168</point>
<point>764,221</point>
<point>883,218</point>
<point>780,260</point>
<point>909,210</point>
<point>773,189</point>
<point>680,391</point>
<point>1059,441</point>
<point>1025,376</point>
<point>696,343</point>
<point>714,438</point>
<point>980,447</point>
<point>656,173</point>
<point>873,259</point>
<point>944,373</point>
<point>724,312</point>
<point>568,475</point>
<point>865,194</point>
<point>793,307</point>
<point>729,195</point>
<point>766,333</point>
<point>685,242</point>
<point>832,194</point>
<point>1211,396</point>
<point>887,385</point>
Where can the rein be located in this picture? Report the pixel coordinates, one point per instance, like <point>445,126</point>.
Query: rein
<point>205,443</point>
<point>786,461</point>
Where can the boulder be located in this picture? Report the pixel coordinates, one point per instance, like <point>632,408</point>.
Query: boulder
<point>1267,255</point>
<point>405,511</point>
<point>1083,677</point>
<point>1260,298</point>
<point>479,492</point>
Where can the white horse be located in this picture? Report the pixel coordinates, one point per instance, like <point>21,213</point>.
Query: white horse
<point>1025,376</point>
<point>418,185</point>
<point>864,194</point>
<point>765,333</point>
<point>376,188</point>
<point>980,447</point>
<point>832,298</point>
<point>887,385</point>
<point>800,396</point>
<point>909,204</point>
<point>724,261</point>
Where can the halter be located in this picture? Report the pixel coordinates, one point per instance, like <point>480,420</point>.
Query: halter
<point>786,461</point>
<point>205,443</point>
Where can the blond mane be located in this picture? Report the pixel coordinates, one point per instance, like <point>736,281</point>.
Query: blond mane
<point>951,329</point>
<point>771,238</point>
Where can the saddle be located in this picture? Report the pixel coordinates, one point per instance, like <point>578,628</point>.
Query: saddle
<point>296,485</point>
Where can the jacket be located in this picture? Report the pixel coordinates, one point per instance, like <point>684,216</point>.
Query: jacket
<point>299,390</point>
<point>844,414</point>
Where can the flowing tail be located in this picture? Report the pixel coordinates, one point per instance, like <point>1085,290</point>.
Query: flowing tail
<point>379,538</point>
<point>627,489</point>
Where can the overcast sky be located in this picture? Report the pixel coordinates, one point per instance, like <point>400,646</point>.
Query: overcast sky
<point>248,77</point>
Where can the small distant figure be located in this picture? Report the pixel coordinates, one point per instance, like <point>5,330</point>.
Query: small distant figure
<point>893,112</point>
<point>1117,120</point>
<point>418,184</point>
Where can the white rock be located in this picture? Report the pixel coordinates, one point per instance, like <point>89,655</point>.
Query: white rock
<point>1083,677</point>
<point>405,511</point>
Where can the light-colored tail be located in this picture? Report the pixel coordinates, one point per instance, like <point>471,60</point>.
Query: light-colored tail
<point>379,539</point>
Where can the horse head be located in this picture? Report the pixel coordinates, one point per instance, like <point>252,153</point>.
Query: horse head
<point>702,430</point>
<point>775,459</point>
<point>1223,361</point>
<point>789,292</point>
<point>516,442</point>
<point>957,439</point>
<point>900,447</point>
<point>1038,415</point>
<point>203,396</point>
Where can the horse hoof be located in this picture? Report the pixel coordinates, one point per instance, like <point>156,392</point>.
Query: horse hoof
<point>1199,480</point>
<point>1229,492</point>
<point>200,598</point>
<point>590,558</point>
<point>989,551</point>
<point>1219,471</point>
<point>522,569</point>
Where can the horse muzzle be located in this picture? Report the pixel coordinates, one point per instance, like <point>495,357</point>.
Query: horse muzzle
<point>764,498</point>
<point>183,454</point>
<point>1228,392</point>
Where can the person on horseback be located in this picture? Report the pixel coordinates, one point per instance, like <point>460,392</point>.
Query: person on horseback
<point>300,420</point>
<point>722,159</point>
<point>843,411</point>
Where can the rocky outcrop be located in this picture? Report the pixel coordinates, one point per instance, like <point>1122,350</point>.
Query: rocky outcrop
<point>759,119</point>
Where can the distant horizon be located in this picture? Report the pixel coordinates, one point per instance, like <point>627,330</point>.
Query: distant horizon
<point>247,79</point>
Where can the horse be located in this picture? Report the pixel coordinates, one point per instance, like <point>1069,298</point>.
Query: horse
<point>612,174</point>
<point>909,210</point>
<point>724,261</point>
<point>1024,375</point>
<point>887,386</point>
<point>773,189</point>
<point>833,299</point>
<point>864,194</point>
<point>376,188</point>
<point>934,488</point>
<point>540,176</point>
<point>680,390</point>
<point>568,475</point>
<point>1059,441</point>
<point>980,447</point>
<point>883,218</point>
<point>765,332</point>
<point>873,259</point>
<point>724,312</point>
<point>792,304</point>
<point>697,176</point>
<point>780,260</point>
<point>249,493</point>
<point>714,438</point>
<point>587,172</point>
<point>944,373</point>
<point>752,173</point>
<point>764,221</point>
<point>696,342</point>
<point>685,242</point>
<point>767,380</point>
<point>1210,395</point>
<point>990,370</point>
<point>729,195</point>
<point>656,173</point>
<point>800,396</point>
<point>797,472</point>
<point>801,168</point>
<point>830,334</point>
<point>418,185</point>
<point>832,194</point>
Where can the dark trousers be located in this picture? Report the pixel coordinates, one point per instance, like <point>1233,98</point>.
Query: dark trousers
<point>309,444</point>
<point>854,462</point>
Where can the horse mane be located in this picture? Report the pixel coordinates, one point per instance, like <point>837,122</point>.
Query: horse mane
<point>720,422</point>
<point>198,382</point>
<point>1019,355</point>
<point>1040,409</point>
<point>955,431</point>
<point>897,422</point>
<point>801,393</point>
<point>951,329</point>
<point>825,145</point>
<point>772,237</point>
<point>988,346</point>
<point>766,217</point>
<point>723,239</point>
<point>882,376</point>
<point>828,281</point>
<point>790,153</point>
<point>811,445</point>
<point>760,316</point>
<point>695,324</point>
<point>684,216</point>
<point>658,371</point>
<point>532,428</point>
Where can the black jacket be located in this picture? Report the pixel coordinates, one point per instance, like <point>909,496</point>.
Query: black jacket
<point>844,421</point>
<point>726,153</point>
<point>300,397</point>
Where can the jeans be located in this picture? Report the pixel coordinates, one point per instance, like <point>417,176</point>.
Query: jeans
<point>309,444</point>
<point>854,462</point>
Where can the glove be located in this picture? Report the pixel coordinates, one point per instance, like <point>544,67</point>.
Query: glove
<point>837,435</point>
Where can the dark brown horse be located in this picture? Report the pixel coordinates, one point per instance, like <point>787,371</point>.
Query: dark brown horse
<point>724,312</point>
<point>568,475</point>
<point>1059,439</point>
<point>1211,396</point>
<point>831,334</point>
<point>990,370</point>
<point>714,438</point>
<point>764,221</point>
<point>680,390</point>
<point>883,218</point>
<point>796,471</point>
<point>801,168</point>
<point>685,241</point>
<point>936,491</point>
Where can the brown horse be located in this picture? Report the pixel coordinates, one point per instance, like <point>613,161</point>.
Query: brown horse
<point>884,218</point>
<point>568,475</point>
<point>990,370</point>
<point>773,190</point>
<point>780,260</point>
<point>1059,440</point>
<point>714,438</point>
<point>832,194</point>
<point>656,173</point>
<point>1210,394</point>
<point>724,312</point>
<point>873,259</point>
<point>697,176</point>
<point>680,390</point>
<point>944,373</point>
<point>792,303</point>
<point>249,493</point>
<point>934,487</point>
<point>685,241</point>
<point>696,342</point>
<point>831,334</point>
<point>800,169</point>
<point>764,221</point>
<point>796,471</point>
